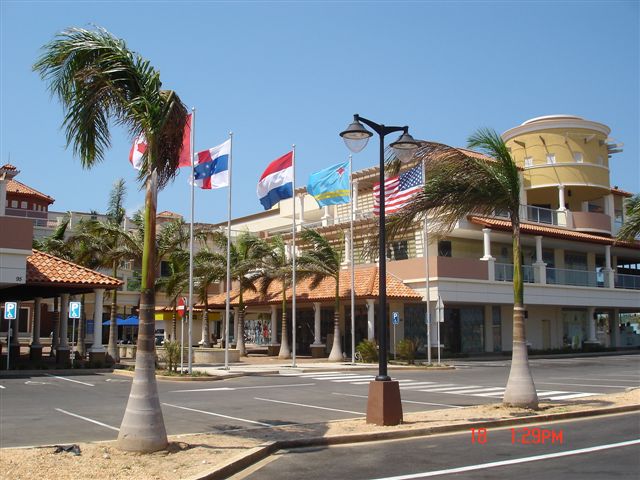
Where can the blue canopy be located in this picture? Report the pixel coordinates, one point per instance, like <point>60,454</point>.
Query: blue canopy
<point>131,321</point>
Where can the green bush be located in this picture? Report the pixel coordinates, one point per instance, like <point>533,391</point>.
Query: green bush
<point>171,356</point>
<point>368,351</point>
<point>407,349</point>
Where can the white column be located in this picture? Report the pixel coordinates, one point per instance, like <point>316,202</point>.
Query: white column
<point>347,249</point>
<point>540,268</point>
<point>98,305</point>
<point>274,325</point>
<point>316,324</point>
<point>591,313</point>
<point>371,310</point>
<point>561,198</point>
<point>325,216</point>
<point>609,278</point>
<point>3,196</point>
<point>35,335</point>
<point>301,211</point>
<point>63,343</point>
<point>355,199</point>
<point>486,238</point>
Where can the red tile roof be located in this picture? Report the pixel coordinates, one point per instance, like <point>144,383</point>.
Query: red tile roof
<point>556,232</point>
<point>45,269</point>
<point>8,166</point>
<point>16,187</point>
<point>366,283</point>
<point>622,193</point>
<point>167,213</point>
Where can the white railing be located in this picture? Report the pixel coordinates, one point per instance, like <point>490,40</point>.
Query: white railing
<point>578,278</point>
<point>504,273</point>
<point>627,281</point>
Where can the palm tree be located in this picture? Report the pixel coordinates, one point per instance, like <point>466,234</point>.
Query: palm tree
<point>322,261</point>
<point>631,227</point>
<point>277,266</point>
<point>457,184</point>
<point>208,268</point>
<point>100,82</point>
<point>56,244</point>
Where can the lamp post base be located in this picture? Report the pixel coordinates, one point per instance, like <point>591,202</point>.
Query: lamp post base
<point>384,406</point>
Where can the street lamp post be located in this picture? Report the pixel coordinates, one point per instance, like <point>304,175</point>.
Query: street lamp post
<point>384,406</point>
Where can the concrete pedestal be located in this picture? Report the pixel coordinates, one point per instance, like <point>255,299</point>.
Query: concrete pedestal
<point>63,356</point>
<point>98,358</point>
<point>273,349</point>
<point>384,406</point>
<point>319,350</point>
<point>35,353</point>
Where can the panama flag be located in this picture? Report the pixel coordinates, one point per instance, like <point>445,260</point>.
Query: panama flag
<point>212,167</point>
<point>136,154</point>
<point>276,183</point>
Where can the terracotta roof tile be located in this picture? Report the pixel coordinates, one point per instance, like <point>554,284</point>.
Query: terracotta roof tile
<point>14,186</point>
<point>556,232</point>
<point>8,166</point>
<point>622,193</point>
<point>167,213</point>
<point>43,268</point>
<point>366,282</point>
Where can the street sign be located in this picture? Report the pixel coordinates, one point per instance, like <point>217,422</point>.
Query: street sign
<point>395,318</point>
<point>182,302</point>
<point>74,309</point>
<point>440,310</point>
<point>10,310</point>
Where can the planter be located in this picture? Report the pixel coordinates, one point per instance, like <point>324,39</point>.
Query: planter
<point>214,355</point>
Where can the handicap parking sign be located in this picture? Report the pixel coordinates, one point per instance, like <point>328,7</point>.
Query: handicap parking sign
<point>396,318</point>
<point>74,309</point>
<point>10,310</point>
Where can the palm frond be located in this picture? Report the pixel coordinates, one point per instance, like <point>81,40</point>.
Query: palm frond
<point>631,227</point>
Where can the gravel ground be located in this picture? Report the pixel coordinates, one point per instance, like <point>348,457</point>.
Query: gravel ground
<point>192,454</point>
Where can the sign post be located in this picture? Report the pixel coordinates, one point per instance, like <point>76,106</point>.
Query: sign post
<point>440,319</point>
<point>74,313</point>
<point>10,313</point>
<point>396,320</point>
<point>181,309</point>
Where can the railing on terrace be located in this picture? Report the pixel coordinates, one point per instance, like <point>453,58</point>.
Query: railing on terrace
<point>545,216</point>
<point>504,273</point>
<point>627,281</point>
<point>344,219</point>
<point>19,212</point>
<point>578,278</point>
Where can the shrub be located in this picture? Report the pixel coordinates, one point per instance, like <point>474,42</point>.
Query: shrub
<point>407,349</point>
<point>368,350</point>
<point>171,355</point>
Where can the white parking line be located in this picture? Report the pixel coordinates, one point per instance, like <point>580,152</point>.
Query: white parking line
<point>222,389</point>
<point>308,406</point>
<point>550,393</point>
<point>2,386</point>
<point>69,380</point>
<point>403,401</point>
<point>219,415</point>
<point>582,385</point>
<point>596,379</point>
<point>573,395</point>
<point>514,461</point>
<point>87,419</point>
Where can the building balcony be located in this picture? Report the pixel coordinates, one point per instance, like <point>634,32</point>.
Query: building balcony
<point>591,222</point>
<point>19,212</point>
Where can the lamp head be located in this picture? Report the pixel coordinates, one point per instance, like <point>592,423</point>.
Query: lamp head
<point>356,136</point>
<point>405,146</point>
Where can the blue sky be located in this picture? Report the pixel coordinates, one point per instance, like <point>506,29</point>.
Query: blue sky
<point>278,73</point>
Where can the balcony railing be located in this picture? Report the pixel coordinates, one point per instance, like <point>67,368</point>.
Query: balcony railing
<point>627,281</point>
<point>578,278</point>
<point>19,212</point>
<point>504,273</point>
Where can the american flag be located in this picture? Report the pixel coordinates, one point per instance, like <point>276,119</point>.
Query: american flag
<point>398,190</point>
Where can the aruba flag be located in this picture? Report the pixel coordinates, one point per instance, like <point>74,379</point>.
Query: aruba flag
<point>331,185</point>
<point>276,182</point>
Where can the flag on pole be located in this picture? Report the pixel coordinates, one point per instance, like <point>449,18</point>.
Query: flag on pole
<point>185,153</point>
<point>398,190</point>
<point>136,154</point>
<point>212,167</point>
<point>330,186</point>
<point>276,182</point>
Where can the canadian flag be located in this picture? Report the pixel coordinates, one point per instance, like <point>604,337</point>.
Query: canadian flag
<point>137,151</point>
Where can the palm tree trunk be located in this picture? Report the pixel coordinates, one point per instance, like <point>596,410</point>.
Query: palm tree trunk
<point>112,347</point>
<point>240,343</point>
<point>174,333</point>
<point>285,352</point>
<point>206,342</point>
<point>336,348</point>
<point>520,390</point>
<point>142,428</point>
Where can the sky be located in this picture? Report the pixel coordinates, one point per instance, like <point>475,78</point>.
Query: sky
<point>294,72</point>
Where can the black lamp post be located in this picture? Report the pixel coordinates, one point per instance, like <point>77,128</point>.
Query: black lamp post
<point>356,137</point>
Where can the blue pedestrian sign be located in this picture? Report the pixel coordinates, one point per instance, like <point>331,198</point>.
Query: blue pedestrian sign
<point>395,318</point>
<point>74,309</point>
<point>10,310</point>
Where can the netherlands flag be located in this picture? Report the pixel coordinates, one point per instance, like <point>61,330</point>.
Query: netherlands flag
<point>276,183</point>
<point>212,167</point>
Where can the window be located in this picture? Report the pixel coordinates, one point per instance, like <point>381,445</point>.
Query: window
<point>528,161</point>
<point>578,157</point>
<point>14,203</point>
<point>398,250</point>
<point>444,248</point>
<point>551,159</point>
<point>24,205</point>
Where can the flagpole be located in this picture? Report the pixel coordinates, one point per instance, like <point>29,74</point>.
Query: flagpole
<point>425,247</point>
<point>293,255</point>
<point>193,181</point>
<point>228,300</point>
<point>353,267</point>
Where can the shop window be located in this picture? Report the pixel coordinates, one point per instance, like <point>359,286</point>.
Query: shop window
<point>444,248</point>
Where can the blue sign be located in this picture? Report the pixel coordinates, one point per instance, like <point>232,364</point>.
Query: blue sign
<point>10,310</point>
<point>395,318</point>
<point>74,309</point>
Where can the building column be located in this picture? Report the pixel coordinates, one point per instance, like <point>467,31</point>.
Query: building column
<point>3,196</point>
<point>491,261</point>
<point>591,325</point>
<point>355,198</point>
<point>35,349</point>
<point>539,267</point>
<point>561,206</point>
<point>318,349</point>
<point>63,352</point>
<point>609,277</point>
<point>347,249</point>
<point>325,216</point>
<point>609,209</point>
<point>371,327</point>
<point>301,211</point>
<point>97,351</point>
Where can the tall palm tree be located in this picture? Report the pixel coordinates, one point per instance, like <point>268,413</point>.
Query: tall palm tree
<point>277,266</point>
<point>323,260</point>
<point>631,227</point>
<point>100,82</point>
<point>458,184</point>
<point>56,244</point>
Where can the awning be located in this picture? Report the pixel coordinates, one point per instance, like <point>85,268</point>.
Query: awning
<point>131,321</point>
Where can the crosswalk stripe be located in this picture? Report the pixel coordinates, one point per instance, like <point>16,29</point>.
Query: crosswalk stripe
<point>436,388</point>
<point>408,386</point>
<point>308,374</point>
<point>352,379</point>
<point>336,377</point>
<point>472,391</point>
<point>573,395</point>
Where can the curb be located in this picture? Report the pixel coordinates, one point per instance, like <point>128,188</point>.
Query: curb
<point>177,378</point>
<point>259,453</point>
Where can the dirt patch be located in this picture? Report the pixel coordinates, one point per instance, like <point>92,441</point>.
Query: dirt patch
<point>189,455</point>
